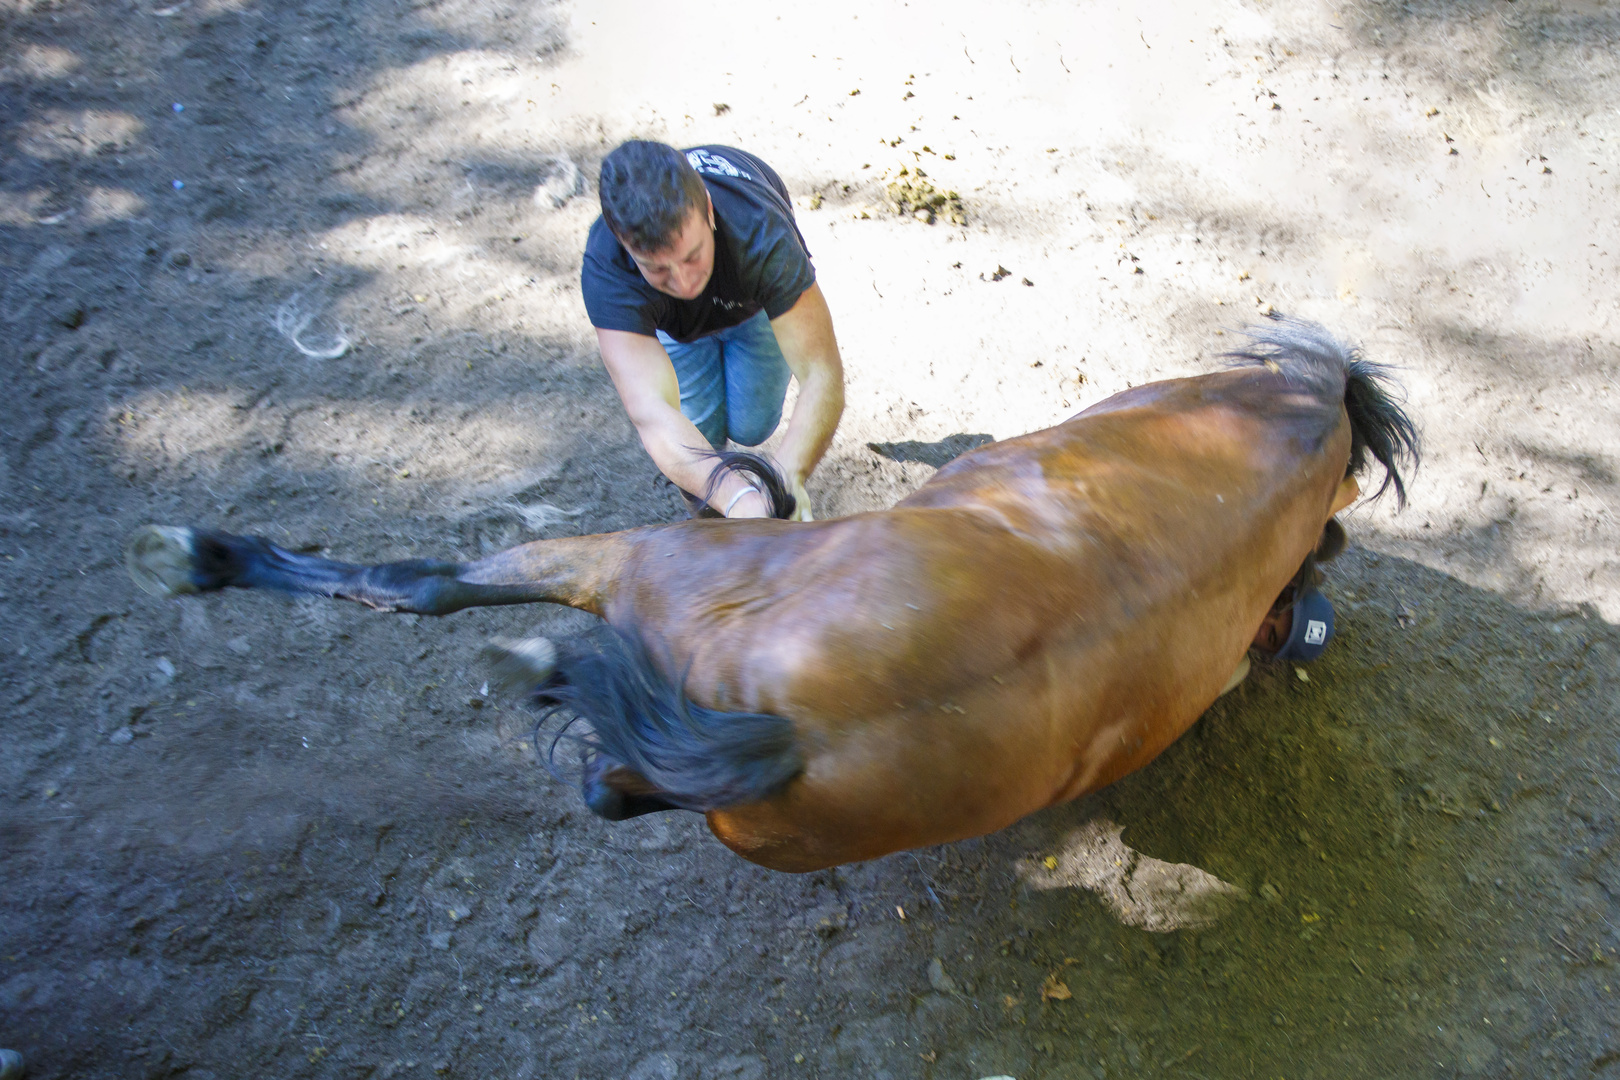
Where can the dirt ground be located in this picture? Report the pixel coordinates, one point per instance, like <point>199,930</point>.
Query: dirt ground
<point>310,270</point>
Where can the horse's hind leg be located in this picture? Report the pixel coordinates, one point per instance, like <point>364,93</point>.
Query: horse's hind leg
<point>169,561</point>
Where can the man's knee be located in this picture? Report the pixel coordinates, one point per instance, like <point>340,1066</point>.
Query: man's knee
<point>754,425</point>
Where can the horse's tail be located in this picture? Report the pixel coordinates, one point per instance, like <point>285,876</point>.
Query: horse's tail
<point>765,478</point>
<point>695,757</point>
<point>1306,354</point>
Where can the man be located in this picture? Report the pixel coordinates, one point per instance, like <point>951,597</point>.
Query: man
<point>704,301</point>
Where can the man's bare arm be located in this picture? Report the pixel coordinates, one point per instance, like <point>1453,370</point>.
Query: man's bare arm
<point>805,334</point>
<point>645,378</point>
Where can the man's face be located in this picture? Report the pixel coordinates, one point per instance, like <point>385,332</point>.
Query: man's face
<point>682,267</point>
<point>1274,631</point>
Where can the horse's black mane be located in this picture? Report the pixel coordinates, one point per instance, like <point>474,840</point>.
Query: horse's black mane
<point>1307,355</point>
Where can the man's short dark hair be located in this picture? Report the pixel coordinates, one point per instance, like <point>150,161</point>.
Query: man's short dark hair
<point>648,191</point>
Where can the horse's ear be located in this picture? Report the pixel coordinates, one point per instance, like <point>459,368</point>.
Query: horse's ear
<point>1333,542</point>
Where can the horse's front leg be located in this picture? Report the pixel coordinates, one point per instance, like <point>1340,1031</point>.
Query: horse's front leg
<point>526,668</point>
<point>167,560</point>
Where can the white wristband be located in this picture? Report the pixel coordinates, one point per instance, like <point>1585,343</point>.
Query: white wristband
<point>749,489</point>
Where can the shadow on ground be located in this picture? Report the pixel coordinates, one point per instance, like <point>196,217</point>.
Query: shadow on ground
<point>392,885</point>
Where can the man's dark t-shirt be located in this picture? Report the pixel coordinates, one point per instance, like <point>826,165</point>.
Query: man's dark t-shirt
<point>760,259</point>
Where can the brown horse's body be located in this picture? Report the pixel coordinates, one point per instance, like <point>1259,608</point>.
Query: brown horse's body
<point>1042,617</point>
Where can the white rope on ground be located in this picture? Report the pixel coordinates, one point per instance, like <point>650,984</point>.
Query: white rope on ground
<point>293,318</point>
<point>539,515</point>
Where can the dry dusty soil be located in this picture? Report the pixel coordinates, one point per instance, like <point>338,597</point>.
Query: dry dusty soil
<point>309,269</point>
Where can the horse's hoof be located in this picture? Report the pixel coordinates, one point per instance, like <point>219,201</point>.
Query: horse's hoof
<point>519,665</point>
<point>161,560</point>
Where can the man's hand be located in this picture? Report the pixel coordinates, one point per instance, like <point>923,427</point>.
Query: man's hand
<point>646,382</point>
<point>645,379</point>
<point>801,500</point>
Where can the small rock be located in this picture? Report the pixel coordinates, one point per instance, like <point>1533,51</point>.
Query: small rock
<point>938,979</point>
<point>180,258</point>
<point>122,737</point>
<point>561,181</point>
<point>659,1066</point>
<point>829,925</point>
<point>70,315</point>
<point>1476,1054</point>
<point>736,1067</point>
<point>1269,893</point>
<point>1299,673</point>
<point>239,646</point>
<point>166,666</point>
<point>440,940</point>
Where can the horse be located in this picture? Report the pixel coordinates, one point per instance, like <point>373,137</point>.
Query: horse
<point>1042,617</point>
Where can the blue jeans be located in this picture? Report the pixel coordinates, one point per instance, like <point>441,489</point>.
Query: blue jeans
<point>732,382</point>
